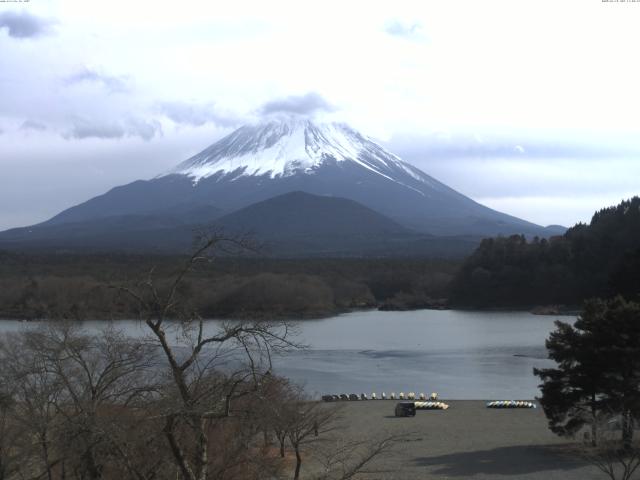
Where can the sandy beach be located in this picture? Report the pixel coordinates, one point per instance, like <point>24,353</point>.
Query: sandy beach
<point>466,441</point>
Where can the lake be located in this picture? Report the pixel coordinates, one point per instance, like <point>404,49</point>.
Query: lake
<point>459,354</point>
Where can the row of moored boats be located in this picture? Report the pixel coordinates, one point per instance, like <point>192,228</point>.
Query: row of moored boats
<point>511,404</point>
<point>421,401</point>
<point>383,396</point>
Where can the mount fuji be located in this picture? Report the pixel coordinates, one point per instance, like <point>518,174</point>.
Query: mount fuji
<point>223,184</point>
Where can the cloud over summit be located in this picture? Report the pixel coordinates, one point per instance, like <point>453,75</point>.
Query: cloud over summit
<point>307,104</point>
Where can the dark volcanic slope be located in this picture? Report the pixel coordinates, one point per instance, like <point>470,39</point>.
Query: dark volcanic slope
<point>303,214</point>
<point>297,223</point>
<point>294,224</point>
<point>168,230</point>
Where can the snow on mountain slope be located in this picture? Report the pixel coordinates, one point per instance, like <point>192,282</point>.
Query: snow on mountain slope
<point>287,154</point>
<point>281,148</point>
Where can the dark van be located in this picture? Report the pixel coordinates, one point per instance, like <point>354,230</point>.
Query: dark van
<point>405,409</point>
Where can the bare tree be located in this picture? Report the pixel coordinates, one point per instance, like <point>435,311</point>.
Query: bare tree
<point>104,377</point>
<point>10,435</point>
<point>35,394</point>
<point>617,458</point>
<point>276,400</point>
<point>313,429</point>
<point>209,370</point>
<point>347,459</point>
<point>306,421</point>
<point>76,399</point>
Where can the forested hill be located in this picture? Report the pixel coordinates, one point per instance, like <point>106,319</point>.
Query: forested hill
<point>598,259</point>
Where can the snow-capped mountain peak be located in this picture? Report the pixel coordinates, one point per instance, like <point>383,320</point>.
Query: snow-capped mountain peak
<point>271,159</point>
<point>289,146</point>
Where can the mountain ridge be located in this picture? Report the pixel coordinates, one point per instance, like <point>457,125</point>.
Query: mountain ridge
<point>283,226</point>
<point>258,162</point>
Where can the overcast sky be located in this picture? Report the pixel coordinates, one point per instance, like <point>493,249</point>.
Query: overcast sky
<point>530,107</point>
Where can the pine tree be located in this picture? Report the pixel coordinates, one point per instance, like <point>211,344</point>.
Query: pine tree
<point>572,392</point>
<point>598,371</point>
<point>616,327</point>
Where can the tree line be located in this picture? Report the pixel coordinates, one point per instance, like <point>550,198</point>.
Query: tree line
<point>76,286</point>
<point>601,259</point>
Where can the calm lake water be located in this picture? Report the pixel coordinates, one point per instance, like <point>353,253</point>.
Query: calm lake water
<point>459,354</point>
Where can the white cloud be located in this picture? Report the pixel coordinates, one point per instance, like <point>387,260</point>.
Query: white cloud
<point>33,125</point>
<point>408,30</point>
<point>197,114</point>
<point>307,104</point>
<point>82,128</point>
<point>23,25</point>
<point>113,83</point>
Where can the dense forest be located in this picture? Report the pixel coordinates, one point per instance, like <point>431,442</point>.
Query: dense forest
<point>36,286</point>
<point>595,260</point>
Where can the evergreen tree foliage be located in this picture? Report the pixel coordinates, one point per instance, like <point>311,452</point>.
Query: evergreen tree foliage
<point>598,369</point>
<point>601,259</point>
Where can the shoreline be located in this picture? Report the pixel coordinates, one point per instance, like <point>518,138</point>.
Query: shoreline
<point>540,311</point>
<point>440,399</point>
